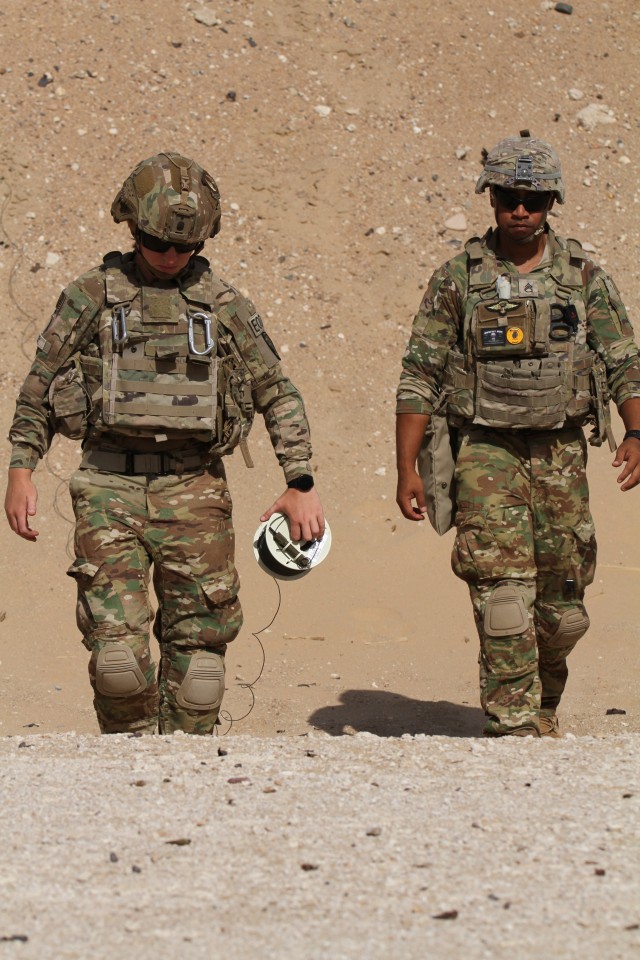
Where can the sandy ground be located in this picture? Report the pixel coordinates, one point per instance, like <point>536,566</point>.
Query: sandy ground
<point>318,847</point>
<point>343,135</point>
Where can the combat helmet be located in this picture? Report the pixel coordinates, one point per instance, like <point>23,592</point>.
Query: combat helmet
<point>523,163</point>
<point>170,197</point>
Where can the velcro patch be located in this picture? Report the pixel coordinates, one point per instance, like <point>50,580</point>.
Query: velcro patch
<point>495,337</point>
<point>43,345</point>
<point>256,325</point>
<point>527,288</point>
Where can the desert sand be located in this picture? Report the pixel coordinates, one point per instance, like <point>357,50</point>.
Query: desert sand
<point>346,138</point>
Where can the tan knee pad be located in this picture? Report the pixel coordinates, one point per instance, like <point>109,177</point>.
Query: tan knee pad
<point>118,673</point>
<point>203,684</point>
<point>573,625</point>
<point>505,613</point>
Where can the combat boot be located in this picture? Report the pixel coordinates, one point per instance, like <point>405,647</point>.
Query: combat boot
<point>549,726</point>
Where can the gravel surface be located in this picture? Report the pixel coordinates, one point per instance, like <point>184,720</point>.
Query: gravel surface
<point>319,846</point>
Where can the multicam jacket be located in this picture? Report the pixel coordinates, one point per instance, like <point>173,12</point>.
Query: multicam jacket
<point>166,365</point>
<point>518,351</point>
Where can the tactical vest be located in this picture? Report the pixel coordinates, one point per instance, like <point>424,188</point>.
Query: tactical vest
<point>523,361</point>
<point>166,367</point>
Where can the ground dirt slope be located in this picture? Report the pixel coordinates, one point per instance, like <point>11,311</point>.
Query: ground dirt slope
<point>343,135</point>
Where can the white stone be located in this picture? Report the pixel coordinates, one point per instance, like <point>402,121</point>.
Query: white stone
<point>575,94</point>
<point>206,16</point>
<point>322,110</point>
<point>51,259</point>
<point>457,222</point>
<point>593,114</point>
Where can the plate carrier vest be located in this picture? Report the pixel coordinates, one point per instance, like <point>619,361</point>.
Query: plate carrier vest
<point>523,362</point>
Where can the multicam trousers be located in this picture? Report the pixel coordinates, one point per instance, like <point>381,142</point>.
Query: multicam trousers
<point>182,526</point>
<point>523,522</point>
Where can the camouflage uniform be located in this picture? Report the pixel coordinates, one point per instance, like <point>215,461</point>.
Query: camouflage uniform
<point>525,536</point>
<point>148,496</point>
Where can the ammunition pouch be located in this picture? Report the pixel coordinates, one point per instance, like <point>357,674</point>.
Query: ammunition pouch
<point>537,393</point>
<point>70,401</point>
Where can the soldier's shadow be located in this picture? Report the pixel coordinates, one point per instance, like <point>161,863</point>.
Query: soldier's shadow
<point>391,715</point>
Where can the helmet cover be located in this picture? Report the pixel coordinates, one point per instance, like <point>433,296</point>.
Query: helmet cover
<point>523,163</point>
<point>170,197</point>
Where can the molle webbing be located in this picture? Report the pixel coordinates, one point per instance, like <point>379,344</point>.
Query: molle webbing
<point>163,373</point>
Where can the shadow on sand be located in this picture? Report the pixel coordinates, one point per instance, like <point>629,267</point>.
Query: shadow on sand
<point>391,715</point>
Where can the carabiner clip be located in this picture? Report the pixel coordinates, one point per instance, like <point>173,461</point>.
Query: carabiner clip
<point>208,342</point>
<point>119,326</point>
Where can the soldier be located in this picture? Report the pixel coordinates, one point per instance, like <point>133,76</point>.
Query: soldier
<point>158,366</point>
<point>520,339</point>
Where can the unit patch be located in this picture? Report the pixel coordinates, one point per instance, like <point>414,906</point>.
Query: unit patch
<point>256,325</point>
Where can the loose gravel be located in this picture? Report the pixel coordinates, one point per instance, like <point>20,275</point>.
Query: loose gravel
<point>319,846</point>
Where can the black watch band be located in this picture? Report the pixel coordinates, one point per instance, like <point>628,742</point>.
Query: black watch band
<point>303,483</point>
<point>635,434</point>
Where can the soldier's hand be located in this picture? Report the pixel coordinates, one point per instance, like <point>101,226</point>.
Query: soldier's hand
<point>20,502</point>
<point>410,489</point>
<point>628,453</point>
<point>304,510</point>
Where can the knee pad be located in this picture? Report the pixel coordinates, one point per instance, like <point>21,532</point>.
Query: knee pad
<point>573,625</point>
<point>203,684</point>
<point>118,673</point>
<point>505,613</point>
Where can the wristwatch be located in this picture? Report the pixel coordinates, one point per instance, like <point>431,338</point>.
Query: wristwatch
<point>303,483</point>
<point>632,433</point>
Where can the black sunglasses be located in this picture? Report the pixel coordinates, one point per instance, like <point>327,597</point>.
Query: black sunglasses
<point>161,246</point>
<point>532,202</point>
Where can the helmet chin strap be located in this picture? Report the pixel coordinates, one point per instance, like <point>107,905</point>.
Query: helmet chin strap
<point>523,241</point>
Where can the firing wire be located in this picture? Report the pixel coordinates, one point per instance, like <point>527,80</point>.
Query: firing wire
<point>224,714</point>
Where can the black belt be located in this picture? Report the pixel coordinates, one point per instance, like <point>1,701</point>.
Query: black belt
<point>132,464</point>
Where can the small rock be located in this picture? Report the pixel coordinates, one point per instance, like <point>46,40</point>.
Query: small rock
<point>457,222</point>
<point>461,152</point>
<point>575,94</point>
<point>206,16</point>
<point>564,8</point>
<point>45,80</point>
<point>380,472</point>
<point>592,115</point>
<point>51,259</point>
<point>322,110</point>
<point>374,831</point>
<point>615,711</point>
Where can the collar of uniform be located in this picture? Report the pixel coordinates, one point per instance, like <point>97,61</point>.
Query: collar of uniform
<point>490,241</point>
